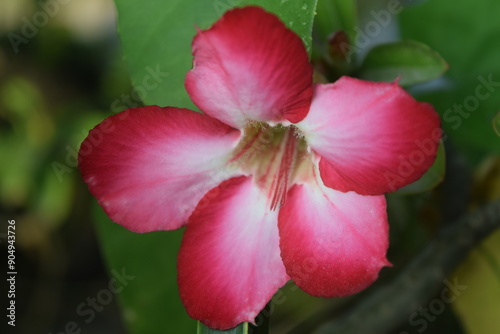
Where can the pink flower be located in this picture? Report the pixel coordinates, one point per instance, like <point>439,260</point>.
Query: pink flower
<point>279,179</point>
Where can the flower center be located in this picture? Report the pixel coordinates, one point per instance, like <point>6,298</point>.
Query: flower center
<point>273,155</point>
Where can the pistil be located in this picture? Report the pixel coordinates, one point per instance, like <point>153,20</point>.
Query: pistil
<point>282,175</point>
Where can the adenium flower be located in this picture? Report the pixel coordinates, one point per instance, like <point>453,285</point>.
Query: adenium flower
<point>277,179</point>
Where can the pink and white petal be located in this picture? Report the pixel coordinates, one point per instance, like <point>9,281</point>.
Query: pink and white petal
<point>229,262</point>
<point>249,67</point>
<point>149,167</point>
<point>373,137</point>
<point>333,244</point>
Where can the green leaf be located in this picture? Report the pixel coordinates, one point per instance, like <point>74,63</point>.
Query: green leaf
<point>335,15</point>
<point>150,302</point>
<point>156,39</point>
<point>411,61</point>
<point>335,18</point>
<point>240,329</point>
<point>431,178</point>
<point>298,15</point>
<point>464,33</point>
<point>496,123</point>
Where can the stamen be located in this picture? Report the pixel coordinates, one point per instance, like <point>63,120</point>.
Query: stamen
<point>249,144</point>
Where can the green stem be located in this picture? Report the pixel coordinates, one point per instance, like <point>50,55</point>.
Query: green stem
<point>262,327</point>
<point>240,329</point>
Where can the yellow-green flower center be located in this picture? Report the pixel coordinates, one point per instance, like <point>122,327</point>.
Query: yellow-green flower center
<point>275,156</point>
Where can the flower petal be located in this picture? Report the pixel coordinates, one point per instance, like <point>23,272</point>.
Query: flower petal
<point>149,167</point>
<point>332,243</point>
<point>229,261</point>
<point>373,137</point>
<point>249,66</point>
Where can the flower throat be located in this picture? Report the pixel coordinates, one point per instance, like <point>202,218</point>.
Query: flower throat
<point>272,155</point>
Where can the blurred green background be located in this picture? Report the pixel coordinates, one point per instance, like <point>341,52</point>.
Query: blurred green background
<point>63,72</point>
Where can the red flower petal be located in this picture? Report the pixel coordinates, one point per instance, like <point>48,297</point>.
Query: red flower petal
<point>149,167</point>
<point>229,262</point>
<point>373,137</point>
<point>249,66</point>
<point>333,244</point>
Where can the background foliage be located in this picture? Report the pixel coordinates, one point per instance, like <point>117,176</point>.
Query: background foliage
<point>71,71</point>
